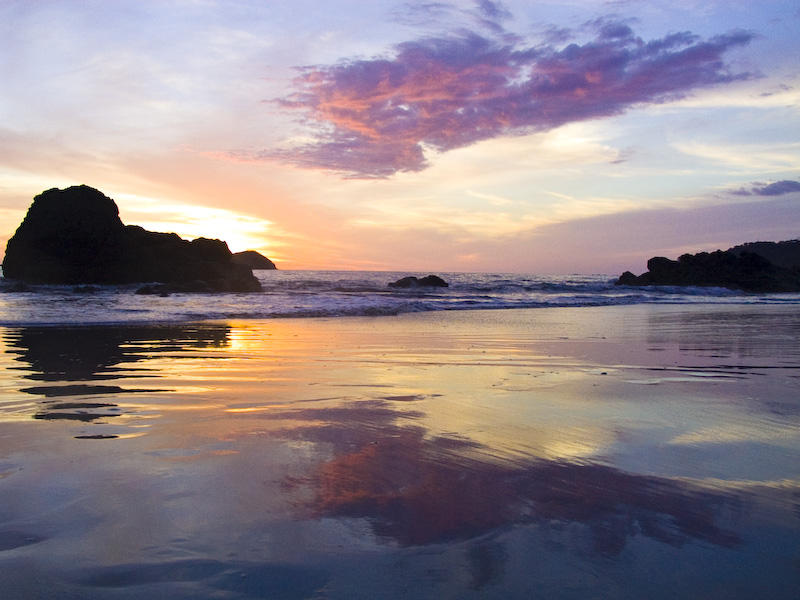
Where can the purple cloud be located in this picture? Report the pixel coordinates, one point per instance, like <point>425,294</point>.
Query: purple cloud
<point>485,14</point>
<point>491,14</point>
<point>376,117</point>
<point>494,10</point>
<point>778,188</point>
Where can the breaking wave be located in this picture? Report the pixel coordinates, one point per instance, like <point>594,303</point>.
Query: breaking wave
<point>314,294</point>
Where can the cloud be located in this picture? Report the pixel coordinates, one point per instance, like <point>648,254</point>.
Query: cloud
<point>493,10</point>
<point>376,117</point>
<point>486,14</point>
<point>778,188</point>
<point>491,14</point>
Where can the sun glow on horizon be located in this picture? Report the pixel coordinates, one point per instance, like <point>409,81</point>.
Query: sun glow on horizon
<point>240,231</point>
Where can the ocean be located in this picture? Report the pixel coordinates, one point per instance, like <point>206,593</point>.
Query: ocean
<point>298,294</point>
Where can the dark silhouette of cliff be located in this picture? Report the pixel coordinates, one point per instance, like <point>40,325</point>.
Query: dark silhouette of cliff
<point>75,236</point>
<point>781,254</point>
<point>759,267</point>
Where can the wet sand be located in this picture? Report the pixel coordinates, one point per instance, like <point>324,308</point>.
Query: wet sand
<point>610,452</point>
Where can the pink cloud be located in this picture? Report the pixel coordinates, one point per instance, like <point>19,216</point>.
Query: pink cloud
<point>376,117</point>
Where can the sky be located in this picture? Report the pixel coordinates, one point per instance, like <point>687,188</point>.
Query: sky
<point>577,136</point>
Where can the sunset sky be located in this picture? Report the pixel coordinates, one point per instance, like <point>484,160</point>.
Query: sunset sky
<point>576,136</point>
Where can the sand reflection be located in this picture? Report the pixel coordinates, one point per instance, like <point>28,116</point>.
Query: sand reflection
<point>63,358</point>
<point>419,489</point>
<point>459,456</point>
<point>97,353</point>
<point>376,458</point>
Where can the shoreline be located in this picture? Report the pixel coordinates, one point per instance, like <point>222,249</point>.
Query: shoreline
<point>707,306</point>
<point>324,294</point>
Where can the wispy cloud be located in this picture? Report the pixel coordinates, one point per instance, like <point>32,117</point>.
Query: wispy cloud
<point>484,14</point>
<point>375,117</point>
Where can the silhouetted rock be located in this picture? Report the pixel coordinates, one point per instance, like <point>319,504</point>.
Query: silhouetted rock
<point>68,236</point>
<point>628,278</point>
<point>75,236</point>
<point>781,254</point>
<point>254,260</point>
<point>413,282</point>
<point>734,269</point>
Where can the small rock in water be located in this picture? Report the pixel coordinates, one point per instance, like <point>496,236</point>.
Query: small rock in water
<point>413,282</point>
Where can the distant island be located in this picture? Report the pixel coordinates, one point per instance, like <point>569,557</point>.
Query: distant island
<point>757,267</point>
<point>254,260</point>
<point>75,236</point>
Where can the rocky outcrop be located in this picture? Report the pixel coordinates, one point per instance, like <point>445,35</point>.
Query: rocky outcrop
<point>254,260</point>
<point>414,282</point>
<point>75,236</point>
<point>781,254</point>
<point>737,270</point>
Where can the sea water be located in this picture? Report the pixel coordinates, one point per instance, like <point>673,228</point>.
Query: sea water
<point>297,294</point>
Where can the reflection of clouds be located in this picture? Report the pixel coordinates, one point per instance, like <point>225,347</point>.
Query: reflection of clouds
<point>577,443</point>
<point>773,433</point>
<point>766,339</point>
<point>419,490</point>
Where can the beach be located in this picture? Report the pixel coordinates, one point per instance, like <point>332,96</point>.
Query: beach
<point>631,451</point>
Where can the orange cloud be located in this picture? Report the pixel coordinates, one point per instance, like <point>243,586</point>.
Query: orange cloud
<point>377,116</point>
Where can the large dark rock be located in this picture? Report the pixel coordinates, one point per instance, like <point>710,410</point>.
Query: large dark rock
<point>254,260</point>
<point>781,254</point>
<point>734,269</point>
<point>414,282</point>
<point>75,236</point>
<point>68,236</point>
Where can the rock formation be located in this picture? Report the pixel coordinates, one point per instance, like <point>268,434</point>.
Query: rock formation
<point>75,236</point>
<point>254,260</point>
<point>737,269</point>
<point>414,282</point>
<point>781,254</point>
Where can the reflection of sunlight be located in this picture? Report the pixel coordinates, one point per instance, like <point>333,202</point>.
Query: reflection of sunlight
<point>580,445</point>
<point>128,436</point>
<point>254,409</point>
<point>242,339</point>
<point>267,339</point>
